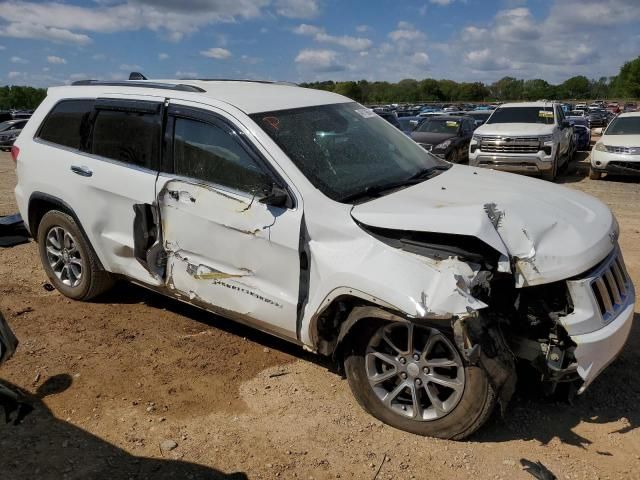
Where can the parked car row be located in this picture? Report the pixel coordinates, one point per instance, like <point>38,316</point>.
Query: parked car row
<point>618,149</point>
<point>11,124</point>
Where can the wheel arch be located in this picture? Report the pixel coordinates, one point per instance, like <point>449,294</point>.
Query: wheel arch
<point>40,203</point>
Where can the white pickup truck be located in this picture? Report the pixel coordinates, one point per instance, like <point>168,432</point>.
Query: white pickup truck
<point>532,137</point>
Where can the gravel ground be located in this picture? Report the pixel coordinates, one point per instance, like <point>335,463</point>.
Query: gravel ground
<point>139,386</point>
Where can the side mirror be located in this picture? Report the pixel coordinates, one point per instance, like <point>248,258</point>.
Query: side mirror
<point>277,197</point>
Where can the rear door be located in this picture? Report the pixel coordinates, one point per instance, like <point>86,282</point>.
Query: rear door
<point>114,168</point>
<point>226,250</point>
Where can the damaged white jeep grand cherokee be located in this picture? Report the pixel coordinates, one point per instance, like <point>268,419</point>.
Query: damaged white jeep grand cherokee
<point>306,215</point>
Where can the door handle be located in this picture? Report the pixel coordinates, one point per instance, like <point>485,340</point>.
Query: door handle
<point>82,171</point>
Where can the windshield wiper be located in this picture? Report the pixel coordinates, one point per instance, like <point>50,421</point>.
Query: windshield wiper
<point>376,190</point>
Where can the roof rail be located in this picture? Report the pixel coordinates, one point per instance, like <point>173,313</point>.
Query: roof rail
<point>241,80</point>
<point>139,84</point>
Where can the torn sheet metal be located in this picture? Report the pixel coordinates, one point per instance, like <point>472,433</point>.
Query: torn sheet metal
<point>548,232</point>
<point>451,295</point>
<point>231,252</point>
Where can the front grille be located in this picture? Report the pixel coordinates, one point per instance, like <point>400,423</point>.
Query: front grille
<point>630,165</point>
<point>510,145</point>
<point>611,287</point>
<point>623,150</point>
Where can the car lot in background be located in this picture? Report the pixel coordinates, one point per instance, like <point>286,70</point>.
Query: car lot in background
<point>618,150</point>
<point>446,136</point>
<point>9,131</point>
<point>479,116</point>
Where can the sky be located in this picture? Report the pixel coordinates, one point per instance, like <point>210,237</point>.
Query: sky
<point>45,43</point>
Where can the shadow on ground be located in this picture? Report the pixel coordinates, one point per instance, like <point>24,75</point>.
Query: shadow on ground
<point>611,398</point>
<point>35,444</point>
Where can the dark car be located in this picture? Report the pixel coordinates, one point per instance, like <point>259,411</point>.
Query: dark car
<point>446,136</point>
<point>479,116</point>
<point>409,124</point>
<point>389,116</point>
<point>581,132</point>
<point>597,118</point>
<point>630,107</point>
<point>9,131</point>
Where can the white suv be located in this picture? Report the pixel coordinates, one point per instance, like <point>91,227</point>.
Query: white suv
<point>527,137</point>
<point>618,150</point>
<point>306,215</point>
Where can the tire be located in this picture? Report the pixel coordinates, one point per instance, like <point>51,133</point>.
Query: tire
<point>593,175</point>
<point>468,407</point>
<point>553,174</point>
<point>69,260</point>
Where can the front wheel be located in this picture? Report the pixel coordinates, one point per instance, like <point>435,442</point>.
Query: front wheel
<point>553,173</point>
<point>413,378</point>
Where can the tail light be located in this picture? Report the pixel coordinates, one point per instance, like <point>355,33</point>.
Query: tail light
<point>15,151</point>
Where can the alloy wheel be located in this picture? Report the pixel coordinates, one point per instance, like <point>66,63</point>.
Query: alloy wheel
<point>415,371</point>
<point>64,256</point>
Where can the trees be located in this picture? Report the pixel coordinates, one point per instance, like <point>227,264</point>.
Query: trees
<point>575,87</point>
<point>22,98</point>
<point>627,83</point>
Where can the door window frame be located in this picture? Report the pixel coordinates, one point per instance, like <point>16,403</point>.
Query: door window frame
<point>207,117</point>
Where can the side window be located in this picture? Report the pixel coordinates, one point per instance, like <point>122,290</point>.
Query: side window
<point>67,123</point>
<point>210,153</point>
<point>130,137</point>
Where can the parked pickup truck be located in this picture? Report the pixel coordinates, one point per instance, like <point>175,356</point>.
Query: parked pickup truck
<point>533,137</point>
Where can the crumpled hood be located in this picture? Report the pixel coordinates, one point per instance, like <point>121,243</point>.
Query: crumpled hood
<point>549,232</point>
<point>515,129</point>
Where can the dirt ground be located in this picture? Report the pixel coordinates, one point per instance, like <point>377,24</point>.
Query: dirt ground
<point>113,380</point>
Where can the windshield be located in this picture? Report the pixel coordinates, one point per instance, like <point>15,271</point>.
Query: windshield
<point>522,115</point>
<point>346,149</point>
<point>624,126</point>
<point>440,126</point>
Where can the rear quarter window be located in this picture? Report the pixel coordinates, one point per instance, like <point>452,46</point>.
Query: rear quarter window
<point>67,123</point>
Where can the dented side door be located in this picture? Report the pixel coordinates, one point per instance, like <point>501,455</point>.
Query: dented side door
<point>225,249</point>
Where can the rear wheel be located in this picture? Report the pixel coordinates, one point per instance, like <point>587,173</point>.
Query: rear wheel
<point>413,378</point>
<point>68,260</point>
<point>593,175</point>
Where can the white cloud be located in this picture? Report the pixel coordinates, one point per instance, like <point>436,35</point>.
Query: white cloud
<point>126,67</point>
<point>363,28</point>
<point>486,60</point>
<point>45,69</point>
<point>420,59</point>
<point>249,60</point>
<point>442,2</point>
<point>216,53</point>
<point>319,60</point>
<point>163,56</point>
<point>56,60</point>
<point>187,74</point>
<point>21,60</point>
<point>2,47</point>
<point>298,8</point>
<point>41,32</point>
<point>61,21</point>
<point>99,56</point>
<point>356,44</point>
<point>14,74</point>
<point>406,32</point>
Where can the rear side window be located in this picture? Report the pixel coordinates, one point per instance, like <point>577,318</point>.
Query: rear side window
<point>207,152</point>
<point>67,124</point>
<point>130,137</point>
